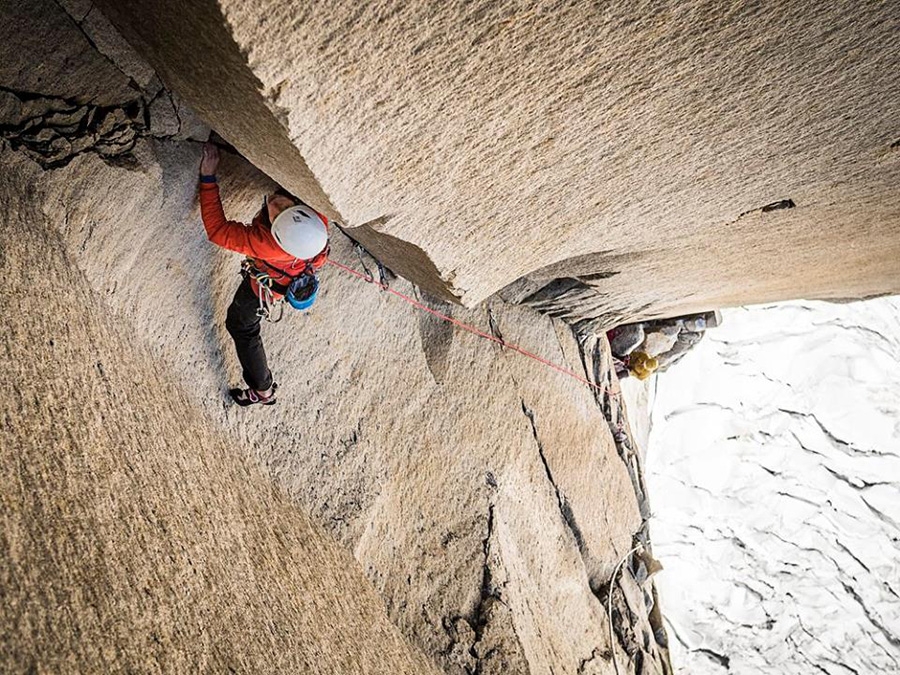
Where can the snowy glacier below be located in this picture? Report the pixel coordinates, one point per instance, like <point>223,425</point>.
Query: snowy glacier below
<point>773,469</point>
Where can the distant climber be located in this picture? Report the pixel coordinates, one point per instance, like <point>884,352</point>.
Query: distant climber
<point>641,349</point>
<point>286,243</point>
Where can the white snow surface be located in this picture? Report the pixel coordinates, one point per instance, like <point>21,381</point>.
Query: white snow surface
<point>773,470</point>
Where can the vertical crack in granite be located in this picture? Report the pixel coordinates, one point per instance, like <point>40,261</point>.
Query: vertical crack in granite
<point>565,508</point>
<point>598,370</point>
<point>79,24</point>
<point>489,594</point>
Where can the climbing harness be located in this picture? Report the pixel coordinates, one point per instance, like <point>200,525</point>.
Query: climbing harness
<point>300,293</point>
<point>267,301</point>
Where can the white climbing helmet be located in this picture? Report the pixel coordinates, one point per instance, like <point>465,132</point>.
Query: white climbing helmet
<point>300,232</point>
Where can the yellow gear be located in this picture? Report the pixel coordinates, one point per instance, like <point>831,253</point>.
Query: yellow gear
<point>642,365</point>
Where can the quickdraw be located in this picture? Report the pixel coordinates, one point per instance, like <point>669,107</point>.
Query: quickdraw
<point>361,252</point>
<point>267,300</point>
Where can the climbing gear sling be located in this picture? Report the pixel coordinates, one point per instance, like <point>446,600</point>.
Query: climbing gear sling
<point>300,293</point>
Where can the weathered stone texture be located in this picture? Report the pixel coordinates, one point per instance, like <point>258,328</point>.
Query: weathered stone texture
<point>632,146</point>
<point>461,498</point>
<point>483,495</point>
<point>134,537</point>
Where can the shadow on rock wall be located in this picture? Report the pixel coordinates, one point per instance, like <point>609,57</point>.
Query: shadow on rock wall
<point>453,471</point>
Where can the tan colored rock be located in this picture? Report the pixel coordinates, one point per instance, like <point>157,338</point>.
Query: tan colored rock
<point>482,494</point>
<point>109,42</point>
<point>632,147</point>
<point>134,536</point>
<point>42,52</point>
<point>416,477</point>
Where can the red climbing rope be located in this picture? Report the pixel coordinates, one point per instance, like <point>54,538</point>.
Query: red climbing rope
<point>456,322</point>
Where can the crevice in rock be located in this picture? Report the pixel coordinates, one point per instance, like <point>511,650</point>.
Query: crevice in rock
<point>779,205</point>
<point>768,208</point>
<point>564,507</point>
<point>624,622</point>
<point>494,325</point>
<point>595,654</point>
<point>597,276</point>
<point>598,370</point>
<point>52,131</point>
<point>474,645</point>
<point>474,642</point>
<point>479,618</point>
<point>556,297</point>
<point>79,23</point>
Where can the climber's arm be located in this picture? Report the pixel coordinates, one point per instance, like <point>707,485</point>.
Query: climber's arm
<point>226,233</point>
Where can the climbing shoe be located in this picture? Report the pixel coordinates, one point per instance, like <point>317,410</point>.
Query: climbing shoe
<point>245,397</point>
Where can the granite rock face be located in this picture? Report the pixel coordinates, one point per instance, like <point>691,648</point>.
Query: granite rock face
<point>617,162</point>
<point>486,500</point>
<point>134,536</point>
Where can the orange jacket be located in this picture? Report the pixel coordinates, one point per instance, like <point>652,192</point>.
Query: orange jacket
<point>254,241</point>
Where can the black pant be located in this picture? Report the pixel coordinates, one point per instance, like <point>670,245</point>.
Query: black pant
<point>242,323</point>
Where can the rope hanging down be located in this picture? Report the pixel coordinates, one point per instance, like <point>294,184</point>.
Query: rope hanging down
<point>369,278</point>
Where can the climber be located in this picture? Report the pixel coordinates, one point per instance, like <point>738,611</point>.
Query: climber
<point>286,243</point>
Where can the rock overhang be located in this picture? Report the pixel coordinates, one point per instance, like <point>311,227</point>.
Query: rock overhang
<point>473,145</point>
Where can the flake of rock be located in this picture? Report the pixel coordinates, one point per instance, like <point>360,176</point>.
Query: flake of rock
<point>67,119</point>
<point>111,44</point>
<point>60,143</point>
<point>43,135</point>
<point>82,143</point>
<point>119,136</point>
<point>192,127</point>
<point>11,110</point>
<point>163,117</point>
<point>111,119</point>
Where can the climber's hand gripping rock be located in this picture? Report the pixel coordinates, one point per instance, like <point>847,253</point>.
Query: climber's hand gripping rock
<point>210,162</point>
